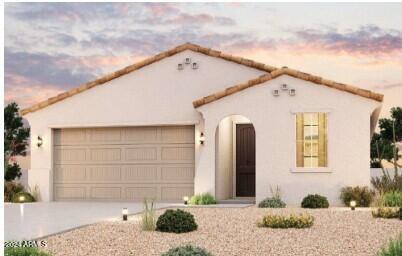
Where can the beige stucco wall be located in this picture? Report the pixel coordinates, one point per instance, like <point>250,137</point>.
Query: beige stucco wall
<point>274,122</point>
<point>157,94</point>
<point>224,159</point>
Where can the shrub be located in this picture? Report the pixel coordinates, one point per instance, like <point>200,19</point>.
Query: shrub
<point>315,201</point>
<point>387,183</point>
<point>148,216</point>
<point>24,251</point>
<point>393,199</point>
<point>272,202</point>
<point>187,250</point>
<point>10,189</point>
<point>394,248</point>
<point>24,196</point>
<point>176,221</point>
<point>362,195</point>
<point>202,199</point>
<point>385,212</point>
<point>293,221</point>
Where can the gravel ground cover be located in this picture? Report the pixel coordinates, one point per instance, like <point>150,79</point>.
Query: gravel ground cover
<point>233,231</point>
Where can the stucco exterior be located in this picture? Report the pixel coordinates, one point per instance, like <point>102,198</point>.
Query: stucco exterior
<point>274,122</point>
<point>160,94</point>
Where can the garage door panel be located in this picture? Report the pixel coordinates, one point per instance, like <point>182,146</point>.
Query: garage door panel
<point>182,154</point>
<point>105,193</point>
<point>135,173</point>
<point>141,192</point>
<point>69,155</point>
<point>177,134</point>
<point>177,173</point>
<point>105,135</point>
<point>70,136</point>
<point>128,163</point>
<point>105,173</point>
<point>142,154</point>
<point>70,193</point>
<point>70,173</point>
<point>141,134</point>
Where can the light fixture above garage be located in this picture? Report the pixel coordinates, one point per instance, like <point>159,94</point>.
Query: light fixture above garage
<point>202,138</point>
<point>39,141</point>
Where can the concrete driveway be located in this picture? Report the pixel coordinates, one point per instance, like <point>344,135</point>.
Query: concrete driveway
<point>43,219</point>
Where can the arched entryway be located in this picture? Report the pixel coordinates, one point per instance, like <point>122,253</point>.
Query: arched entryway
<point>235,158</point>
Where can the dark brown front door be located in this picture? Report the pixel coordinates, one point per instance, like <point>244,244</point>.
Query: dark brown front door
<point>245,160</point>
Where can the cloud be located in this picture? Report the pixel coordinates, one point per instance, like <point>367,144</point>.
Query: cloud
<point>45,69</point>
<point>368,40</point>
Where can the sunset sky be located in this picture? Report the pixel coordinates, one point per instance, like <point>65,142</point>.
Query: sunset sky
<point>52,47</point>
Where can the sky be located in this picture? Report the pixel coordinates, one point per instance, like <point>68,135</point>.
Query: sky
<point>53,47</point>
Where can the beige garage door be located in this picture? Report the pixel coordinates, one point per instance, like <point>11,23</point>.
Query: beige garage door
<point>129,163</point>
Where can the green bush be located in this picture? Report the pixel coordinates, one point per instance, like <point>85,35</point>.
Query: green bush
<point>23,197</point>
<point>315,201</point>
<point>176,221</point>
<point>293,221</point>
<point>24,251</point>
<point>385,212</point>
<point>10,189</point>
<point>394,248</point>
<point>393,199</point>
<point>202,199</point>
<point>362,195</point>
<point>187,250</point>
<point>272,202</point>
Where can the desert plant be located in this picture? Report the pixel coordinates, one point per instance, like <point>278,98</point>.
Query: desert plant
<point>293,221</point>
<point>387,183</point>
<point>148,222</point>
<point>176,221</point>
<point>24,251</point>
<point>202,199</point>
<point>187,250</point>
<point>272,202</point>
<point>315,201</point>
<point>10,189</point>
<point>393,199</point>
<point>394,248</point>
<point>362,195</point>
<point>35,192</point>
<point>23,197</point>
<point>385,212</point>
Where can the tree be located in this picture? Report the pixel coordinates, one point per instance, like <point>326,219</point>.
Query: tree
<point>384,146</point>
<point>15,140</point>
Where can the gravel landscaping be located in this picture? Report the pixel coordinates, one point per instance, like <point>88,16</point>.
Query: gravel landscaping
<point>233,231</point>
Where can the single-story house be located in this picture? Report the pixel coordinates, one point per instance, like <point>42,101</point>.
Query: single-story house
<point>193,120</point>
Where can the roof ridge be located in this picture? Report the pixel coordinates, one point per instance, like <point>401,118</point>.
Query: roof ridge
<point>291,72</point>
<point>143,63</point>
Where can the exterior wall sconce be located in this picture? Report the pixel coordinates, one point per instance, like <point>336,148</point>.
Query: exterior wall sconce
<point>39,141</point>
<point>202,138</point>
<point>352,205</point>
<point>124,212</point>
<point>185,200</point>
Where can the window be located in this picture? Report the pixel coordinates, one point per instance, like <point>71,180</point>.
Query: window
<point>311,136</point>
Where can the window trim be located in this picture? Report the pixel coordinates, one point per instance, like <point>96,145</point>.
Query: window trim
<point>294,168</point>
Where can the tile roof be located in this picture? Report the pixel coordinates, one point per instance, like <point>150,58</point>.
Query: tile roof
<point>291,72</point>
<point>148,61</point>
